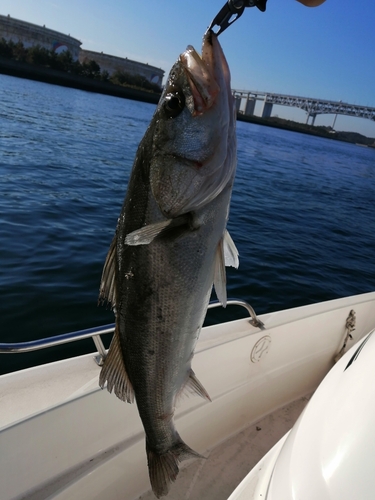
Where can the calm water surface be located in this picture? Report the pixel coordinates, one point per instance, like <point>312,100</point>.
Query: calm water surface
<point>302,212</point>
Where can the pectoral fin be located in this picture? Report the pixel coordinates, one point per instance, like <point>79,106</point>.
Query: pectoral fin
<point>145,235</point>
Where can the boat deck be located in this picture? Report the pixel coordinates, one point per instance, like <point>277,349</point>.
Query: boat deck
<point>215,477</point>
<point>89,445</point>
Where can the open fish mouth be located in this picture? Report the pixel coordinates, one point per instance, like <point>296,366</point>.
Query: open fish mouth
<point>201,74</point>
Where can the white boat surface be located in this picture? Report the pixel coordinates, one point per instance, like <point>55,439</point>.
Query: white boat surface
<point>62,437</point>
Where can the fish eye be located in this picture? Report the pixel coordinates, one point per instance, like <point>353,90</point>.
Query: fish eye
<point>174,103</point>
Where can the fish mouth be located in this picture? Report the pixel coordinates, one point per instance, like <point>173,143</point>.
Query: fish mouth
<point>204,72</point>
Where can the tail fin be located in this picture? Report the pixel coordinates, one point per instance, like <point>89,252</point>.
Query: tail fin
<point>163,469</point>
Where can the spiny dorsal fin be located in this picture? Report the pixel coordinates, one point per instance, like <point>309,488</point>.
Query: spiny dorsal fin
<point>114,373</point>
<point>107,290</point>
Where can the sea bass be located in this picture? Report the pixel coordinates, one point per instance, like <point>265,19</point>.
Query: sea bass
<point>170,246</point>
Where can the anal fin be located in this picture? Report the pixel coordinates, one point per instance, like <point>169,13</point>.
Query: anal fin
<point>114,373</point>
<point>193,386</point>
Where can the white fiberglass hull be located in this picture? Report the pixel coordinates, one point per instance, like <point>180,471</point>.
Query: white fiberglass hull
<point>329,453</point>
<point>62,437</point>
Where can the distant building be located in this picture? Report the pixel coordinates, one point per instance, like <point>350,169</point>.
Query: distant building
<point>114,63</point>
<point>31,34</point>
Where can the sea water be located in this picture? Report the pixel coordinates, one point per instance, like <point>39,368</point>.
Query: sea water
<point>302,213</point>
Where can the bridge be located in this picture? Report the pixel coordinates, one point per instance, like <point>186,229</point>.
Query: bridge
<point>246,99</point>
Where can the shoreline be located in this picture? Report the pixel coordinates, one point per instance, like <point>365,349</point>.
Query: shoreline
<point>302,128</point>
<point>11,67</point>
<point>55,77</point>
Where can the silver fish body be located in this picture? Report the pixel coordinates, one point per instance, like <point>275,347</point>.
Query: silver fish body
<point>169,248</point>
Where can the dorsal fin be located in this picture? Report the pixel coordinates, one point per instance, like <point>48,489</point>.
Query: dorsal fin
<point>107,290</point>
<point>114,372</point>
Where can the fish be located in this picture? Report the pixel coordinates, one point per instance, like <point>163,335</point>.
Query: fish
<point>170,246</point>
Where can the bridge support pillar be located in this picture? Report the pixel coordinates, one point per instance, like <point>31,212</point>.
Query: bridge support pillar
<point>238,103</point>
<point>250,106</point>
<point>313,116</point>
<point>267,109</point>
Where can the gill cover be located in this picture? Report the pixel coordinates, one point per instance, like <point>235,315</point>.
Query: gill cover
<point>194,152</point>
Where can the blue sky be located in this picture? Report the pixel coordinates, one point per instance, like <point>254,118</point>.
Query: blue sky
<point>325,52</point>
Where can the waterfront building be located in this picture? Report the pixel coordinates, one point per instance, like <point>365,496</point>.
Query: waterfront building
<point>30,34</point>
<point>113,63</point>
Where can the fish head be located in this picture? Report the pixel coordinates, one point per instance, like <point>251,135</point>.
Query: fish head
<point>194,141</point>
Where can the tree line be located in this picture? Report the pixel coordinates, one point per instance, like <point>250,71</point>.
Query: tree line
<point>64,62</point>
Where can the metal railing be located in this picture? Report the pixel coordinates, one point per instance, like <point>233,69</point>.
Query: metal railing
<point>238,302</point>
<point>96,332</point>
<point>66,338</point>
